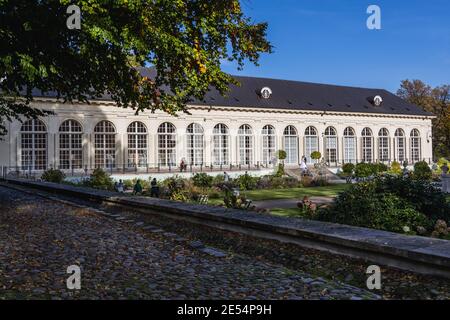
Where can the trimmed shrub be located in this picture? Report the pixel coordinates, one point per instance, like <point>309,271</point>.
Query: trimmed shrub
<point>316,155</point>
<point>396,168</point>
<point>422,171</point>
<point>280,170</point>
<point>281,154</point>
<point>53,175</point>
<point>99,179</point>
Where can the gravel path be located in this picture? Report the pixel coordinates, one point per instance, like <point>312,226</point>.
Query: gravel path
<point>40,238</point>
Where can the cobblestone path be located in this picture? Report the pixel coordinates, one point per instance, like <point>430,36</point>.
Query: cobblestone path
<point>40,238</point>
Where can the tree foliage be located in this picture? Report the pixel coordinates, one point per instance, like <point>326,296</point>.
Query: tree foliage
<point>437,101</point>
<point>185,40</point>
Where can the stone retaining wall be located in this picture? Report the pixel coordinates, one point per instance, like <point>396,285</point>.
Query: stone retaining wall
<point>414,253</point>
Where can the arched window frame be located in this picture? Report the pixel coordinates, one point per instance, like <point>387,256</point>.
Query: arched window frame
<point>415,146</point>
<point>311,143</point>
<point>33,134</point>
<point>245,144</point>
<point>167,144</point>
<point>221,144</point>
<point>331,145</point>
<point>137,138</point>
<point>105,144</point>
<point>367,145</point>
<point>383,145</point>
<point>195,144</point>
<point>70,145</point>
<point>269,140</point>
<point>400,145</point>
<point>350,145</point>
<point>290,139</point>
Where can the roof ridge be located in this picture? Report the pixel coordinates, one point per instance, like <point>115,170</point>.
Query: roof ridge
<point>307,82</point>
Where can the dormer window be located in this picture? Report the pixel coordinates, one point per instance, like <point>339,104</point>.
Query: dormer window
<point>266,92</point>
<point>377,101</point>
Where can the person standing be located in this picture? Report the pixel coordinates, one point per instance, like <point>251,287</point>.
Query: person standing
<point>154,191</point>
<point>137,187</point>
<point>120,186</point>
<point>226,177</point>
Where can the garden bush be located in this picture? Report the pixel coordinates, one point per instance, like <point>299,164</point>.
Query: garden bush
<point>246,182</point>
<point>389,203</point>
<point>396,168</point>
<point>347,169</point>
<point>422,171</point>
<point>364,170</point>
<point>99,179</point>
<point>202,180</point>
<point>379,167</point>
<point>363,206</point>
<point>53,175</point>
<point>218,180</point>
<point>175,188</point>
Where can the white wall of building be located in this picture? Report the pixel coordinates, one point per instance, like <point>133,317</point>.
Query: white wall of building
<point>89,115</point>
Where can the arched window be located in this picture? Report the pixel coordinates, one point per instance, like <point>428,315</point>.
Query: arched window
<point>383,144</point>
<point>70,145</point>
<point>137,145</point>
<point>311,143</point>
<point>220,145</point>
<point>330,145</point>
<point>349,145</point>
<point>33,145</point>
<point>291,144</point>
<point>167,143</point>
<point>195,144</point>
<point>269,144</point>
<point>415,145</point>
<point>245,142</point>
<point>400,145</point>
<point>105,145</point>
<point>367,145</point>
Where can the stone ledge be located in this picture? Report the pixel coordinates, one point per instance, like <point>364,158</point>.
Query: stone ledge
<point>426,252</point>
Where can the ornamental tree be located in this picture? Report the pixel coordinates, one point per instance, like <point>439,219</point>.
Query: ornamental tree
<point>184,40</point>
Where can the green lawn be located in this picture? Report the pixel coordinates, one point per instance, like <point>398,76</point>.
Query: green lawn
<point>274,194</point>
<point>286,212</point>
<point>292,193</point>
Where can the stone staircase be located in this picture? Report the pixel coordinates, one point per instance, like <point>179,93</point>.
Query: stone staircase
<point>331,177</point>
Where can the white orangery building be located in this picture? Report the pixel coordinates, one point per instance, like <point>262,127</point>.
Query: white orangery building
<point>243,130</point>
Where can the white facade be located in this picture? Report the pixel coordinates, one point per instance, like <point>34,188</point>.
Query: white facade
<point>221,136</point>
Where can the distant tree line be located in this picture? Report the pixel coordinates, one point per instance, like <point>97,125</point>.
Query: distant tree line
<point>437,101</point>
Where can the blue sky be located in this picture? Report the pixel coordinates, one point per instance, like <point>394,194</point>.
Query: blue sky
<point>327,41</point>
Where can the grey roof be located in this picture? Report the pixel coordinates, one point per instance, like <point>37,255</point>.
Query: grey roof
<point>296,95</point>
